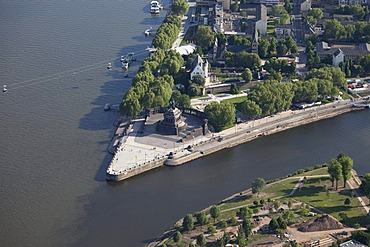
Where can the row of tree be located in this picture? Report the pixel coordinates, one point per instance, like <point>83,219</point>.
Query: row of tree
<point>358,32</point>
<point>272,47</point>
<point>167,33</point>
<point>272,96</point>
<point>340,167</point>
<point>358,11</point>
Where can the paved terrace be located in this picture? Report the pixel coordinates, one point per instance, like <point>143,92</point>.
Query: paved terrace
<point>138,150</point>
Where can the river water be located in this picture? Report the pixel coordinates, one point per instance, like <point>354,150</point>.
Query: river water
<point>54,133</point>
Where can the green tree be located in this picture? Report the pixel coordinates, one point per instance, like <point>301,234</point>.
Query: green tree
<point>263,47</point>
<point>222,224</point>
<point>177,237</point>
<point>241,239</point>
<point>233,221</point>
<point>289,216</point>
<point>347,201</point>
<point>305,91</point>
<point>284,19</point>
<point>273,224</point>
<point>257,185</point>
<point>215,212</point>
<point>220,115</point>
<point>316,13</point>
<point>247,75</point>
<point>365,185</point>
<point>181,100</point>
<point>334,30</point>
<point>282,224</point>
<point>276,205</point>
<point>201,218</point>
<point>194,90</point>
<point>347,163</point>
<point>180,7</point>
<point>201,240</point>
<point>234,89</point>
<point>247,60</point>
<point>244,212</point>
<point>204,37</point>
<point>335,75</point>
<point>247,227</point>
<point>188,223</point>
<point>130,105</point>
<point>288,6</point>
<point>272,96</point>
<point>171,63</point>
<point>211,229</point>
<point>335,171</point>
<point>198,79</point>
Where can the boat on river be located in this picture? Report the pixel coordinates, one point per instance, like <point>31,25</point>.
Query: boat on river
<point>148,32</point>
<point>155,7</point>
<point>126,60</point>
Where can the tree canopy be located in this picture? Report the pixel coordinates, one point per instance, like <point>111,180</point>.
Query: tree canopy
<point>220,115</point>
<point>272,96</point>
<point>180,7</point>
<point>204,37</point>
<point>257,185</point>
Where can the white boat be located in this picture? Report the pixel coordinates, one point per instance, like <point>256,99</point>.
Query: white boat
<point>148,32</point>
<point>151,49</point>
<point>5,89</point>
<point>154,7</point>
<point>109,66</point>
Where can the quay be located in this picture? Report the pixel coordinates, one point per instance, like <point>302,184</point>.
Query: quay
<point>142,149</point>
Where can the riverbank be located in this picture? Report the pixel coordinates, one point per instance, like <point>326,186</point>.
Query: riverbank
<point>300,194</point>
<point>138,152</point>
<point>231,138</point>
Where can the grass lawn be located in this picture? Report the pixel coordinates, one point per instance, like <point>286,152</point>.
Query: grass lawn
<point>320,171</point>
<point>333,203</point>
<point>183,242</point>
<point>237,100</point>
<point>281,188</point>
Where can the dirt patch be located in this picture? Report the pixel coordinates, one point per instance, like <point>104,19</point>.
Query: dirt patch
<point>322,223</point>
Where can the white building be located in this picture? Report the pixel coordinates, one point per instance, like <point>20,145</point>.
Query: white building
<point>199,67</point>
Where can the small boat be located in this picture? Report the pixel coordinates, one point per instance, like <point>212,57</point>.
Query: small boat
<point>125,75</point>
<point>151,49</point>
<point>154,7</point>
<point>107,107</point>
<point>126,60</point>
<point>109,66</point>
<point>124,65</point>
<point>148,32</point>
<point>5,89</point>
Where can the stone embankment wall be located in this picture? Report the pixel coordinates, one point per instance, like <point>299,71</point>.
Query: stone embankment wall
<point>239,138</point>
<point>138,170</point>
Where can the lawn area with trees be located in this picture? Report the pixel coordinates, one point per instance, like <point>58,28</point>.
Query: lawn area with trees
<point>237,214</point>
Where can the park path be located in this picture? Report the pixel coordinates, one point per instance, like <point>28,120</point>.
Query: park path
<point>354,184</point>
